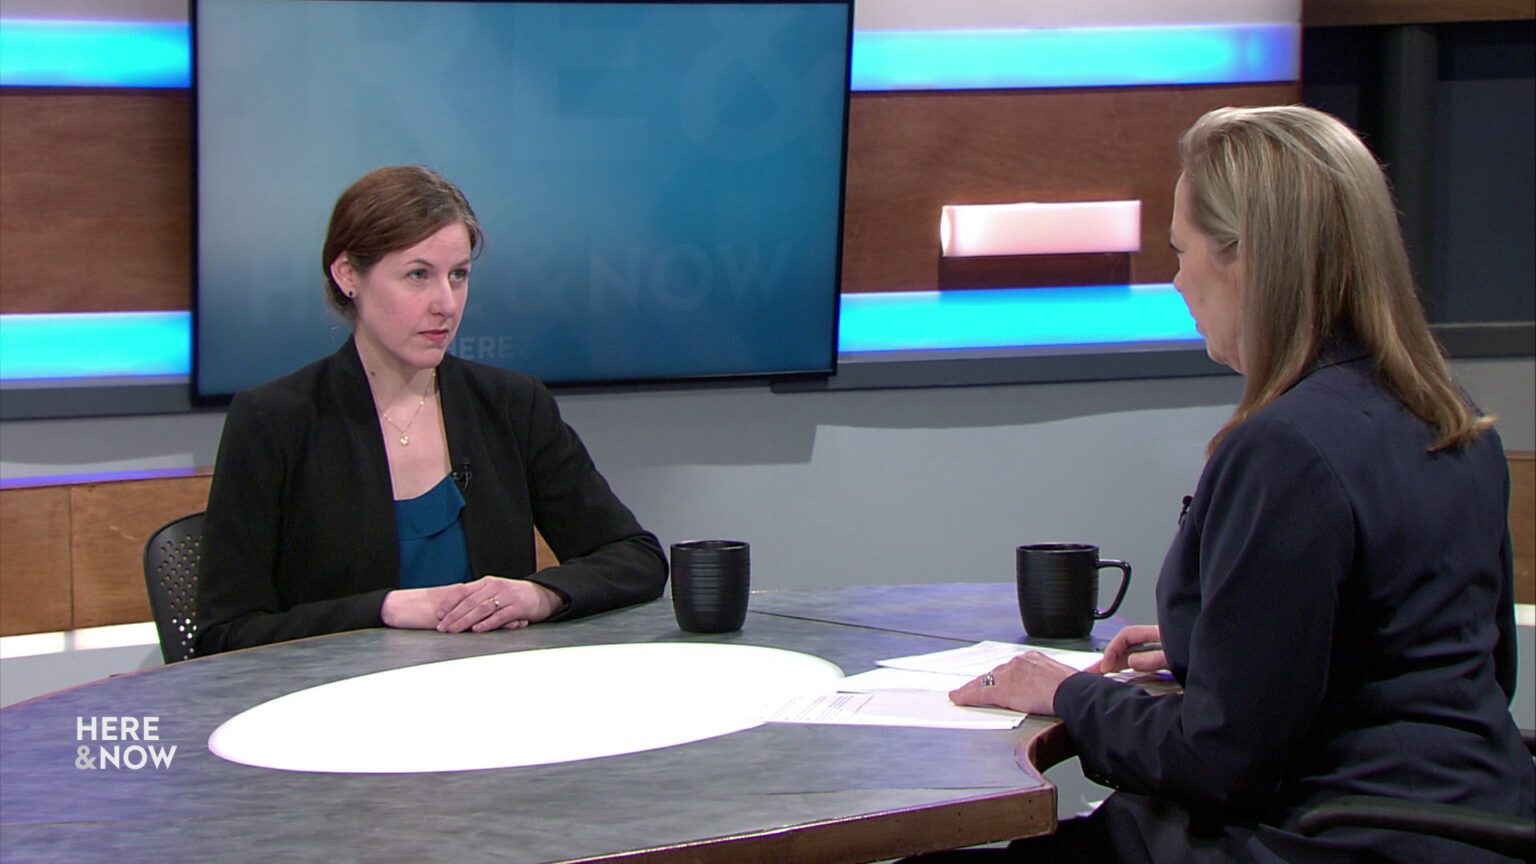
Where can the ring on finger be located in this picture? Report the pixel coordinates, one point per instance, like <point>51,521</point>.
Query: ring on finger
<point>987,680</point>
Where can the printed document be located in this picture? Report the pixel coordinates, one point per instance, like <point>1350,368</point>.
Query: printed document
<point>914,691</point>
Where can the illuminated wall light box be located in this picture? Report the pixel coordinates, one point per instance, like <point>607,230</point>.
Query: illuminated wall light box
<point>1031,228</point>
<point>48,53</point>
<point>912,46</point>
<point>1076,56</point>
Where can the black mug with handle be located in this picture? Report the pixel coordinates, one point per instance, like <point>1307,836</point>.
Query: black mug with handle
<point>1059,588</point>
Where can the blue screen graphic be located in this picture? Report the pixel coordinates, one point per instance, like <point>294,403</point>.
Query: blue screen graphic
<point>660,184</point>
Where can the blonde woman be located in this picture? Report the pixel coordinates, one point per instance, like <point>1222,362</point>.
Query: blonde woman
<point>1337,602</point>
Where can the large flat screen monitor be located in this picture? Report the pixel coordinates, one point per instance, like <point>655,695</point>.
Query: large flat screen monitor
<point>661,184</point>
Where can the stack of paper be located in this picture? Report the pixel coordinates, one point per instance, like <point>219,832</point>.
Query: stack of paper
<point>928,708</point>
<point>983,657</point>
<point>914,691</point>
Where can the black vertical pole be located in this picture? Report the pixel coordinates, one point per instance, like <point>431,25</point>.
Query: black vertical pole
<point>1409,75</point>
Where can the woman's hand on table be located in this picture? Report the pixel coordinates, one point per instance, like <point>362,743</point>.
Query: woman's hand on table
<point>413,608</point>
<point>1026,683</point>
<point>494,603</point>
<point>488,603</point>
<point>1120,654</point>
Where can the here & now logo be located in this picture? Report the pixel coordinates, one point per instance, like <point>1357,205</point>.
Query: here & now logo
<point>132,746</point>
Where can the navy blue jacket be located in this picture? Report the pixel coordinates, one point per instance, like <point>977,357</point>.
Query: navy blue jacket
<point>1338,606</point>
<point>300,536</point>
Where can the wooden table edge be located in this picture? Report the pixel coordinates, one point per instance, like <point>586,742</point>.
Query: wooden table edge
<point>896,833</point>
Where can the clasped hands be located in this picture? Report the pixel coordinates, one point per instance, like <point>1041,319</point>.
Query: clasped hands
<point>488,603</point>
<point>1028,682</point>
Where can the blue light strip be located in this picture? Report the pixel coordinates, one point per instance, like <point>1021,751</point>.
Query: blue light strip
<point>153,344</point>
<point>1013,318</point>
<point>95,345</point>
<point>1076,57</point>
<point>158,54</point>
<point>94,53</point>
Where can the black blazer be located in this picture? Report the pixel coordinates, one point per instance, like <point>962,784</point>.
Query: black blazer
<point>300,536</point>
<point>1338,606</point>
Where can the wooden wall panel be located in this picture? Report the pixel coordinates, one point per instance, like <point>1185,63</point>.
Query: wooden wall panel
<point>1335,13</point>
<point>34,560</point>
<point>1522,522</point>
<point>911,153</point>
<point>112,521</point>
<point>95,200</point>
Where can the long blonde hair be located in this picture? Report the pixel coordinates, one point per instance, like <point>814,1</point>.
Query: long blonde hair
<point>1306,208</point>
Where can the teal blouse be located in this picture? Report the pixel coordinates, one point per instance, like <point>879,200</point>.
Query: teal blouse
<point>432,547</point>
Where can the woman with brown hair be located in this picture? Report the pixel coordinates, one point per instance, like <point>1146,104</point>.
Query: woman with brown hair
<point>392,484</point>
<point>1337,603</point>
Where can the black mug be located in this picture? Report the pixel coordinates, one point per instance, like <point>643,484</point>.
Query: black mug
<point>710,581</point>
<point>1059,588</point>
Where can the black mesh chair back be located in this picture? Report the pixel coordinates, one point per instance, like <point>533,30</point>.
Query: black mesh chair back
<point>171,558</point>
<point>1512,836</point>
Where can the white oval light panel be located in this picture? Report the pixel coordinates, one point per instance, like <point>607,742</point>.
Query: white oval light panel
<point>521,708</point>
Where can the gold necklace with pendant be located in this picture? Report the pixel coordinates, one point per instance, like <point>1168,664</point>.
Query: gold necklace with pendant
<point>405,438</point>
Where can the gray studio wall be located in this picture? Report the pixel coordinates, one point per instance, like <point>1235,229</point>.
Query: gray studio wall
<point>864,487</point>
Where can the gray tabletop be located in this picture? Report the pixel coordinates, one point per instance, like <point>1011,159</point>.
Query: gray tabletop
<point>772,782</point>
<point>965,612</point>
